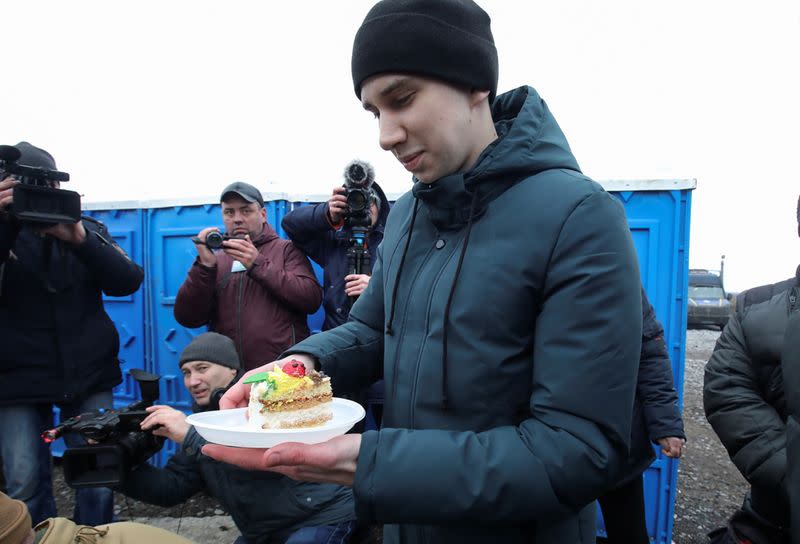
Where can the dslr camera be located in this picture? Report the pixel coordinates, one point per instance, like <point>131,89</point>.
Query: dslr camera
<point>36,200</point>
<point>120,445</point>
<point>214,239</point>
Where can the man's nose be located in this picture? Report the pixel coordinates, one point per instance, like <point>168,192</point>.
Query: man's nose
<point>391,132</point>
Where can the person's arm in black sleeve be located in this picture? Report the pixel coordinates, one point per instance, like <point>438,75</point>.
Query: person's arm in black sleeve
<point>749,427</point>
<point>655,385</point>
<point>308,227</point>
<point>8,236</point>
<point>113,270</point>
<point>174,483</point>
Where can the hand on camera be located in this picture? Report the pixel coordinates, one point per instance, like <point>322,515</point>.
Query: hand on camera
<point>354,284</point>
<point>73,233</point>
<point>166,421</point>
<point>337,205</point>
<point>242,250</point>
<point>7,193</point>
<point>206,255</point>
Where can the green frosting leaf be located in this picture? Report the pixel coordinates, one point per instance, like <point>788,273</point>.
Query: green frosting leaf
<point>258,377</point>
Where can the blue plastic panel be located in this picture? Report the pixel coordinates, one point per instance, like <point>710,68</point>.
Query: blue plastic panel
<point>160,238</point>
<point>317,319</point>
<point>659,223</point>
<point>126,227</point>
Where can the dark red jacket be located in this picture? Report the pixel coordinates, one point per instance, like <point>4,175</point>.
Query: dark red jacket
<point>263,309</point>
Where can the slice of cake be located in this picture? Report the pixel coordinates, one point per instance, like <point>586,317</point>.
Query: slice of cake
<point>289,398</point>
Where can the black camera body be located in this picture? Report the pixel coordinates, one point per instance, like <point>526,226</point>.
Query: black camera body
<point>214,239</point>
<point>358,179</point>
<point>121,444</point>
<point>35,198</point>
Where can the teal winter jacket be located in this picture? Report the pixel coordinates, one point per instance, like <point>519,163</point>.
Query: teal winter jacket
<point>508,333</point>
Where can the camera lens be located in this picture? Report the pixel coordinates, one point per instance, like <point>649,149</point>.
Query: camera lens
<point>357,200</point>
<point>214,240</point>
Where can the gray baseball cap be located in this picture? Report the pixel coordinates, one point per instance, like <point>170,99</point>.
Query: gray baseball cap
<point>243,190</point>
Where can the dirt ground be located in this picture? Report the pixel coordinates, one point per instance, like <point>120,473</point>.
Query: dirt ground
<point>709,486</point>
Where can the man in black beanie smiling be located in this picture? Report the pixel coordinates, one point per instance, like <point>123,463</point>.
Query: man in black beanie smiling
<point>504,310</point>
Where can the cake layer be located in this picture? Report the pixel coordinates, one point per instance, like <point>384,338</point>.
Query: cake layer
<point>308,417</point>
<point>298,403</point>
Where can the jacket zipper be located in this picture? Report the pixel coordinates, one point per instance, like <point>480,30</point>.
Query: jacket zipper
<point>400,333</point>
<point>239,297</point>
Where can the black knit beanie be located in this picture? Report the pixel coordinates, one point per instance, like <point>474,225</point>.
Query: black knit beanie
<point>448,40</point>
<point>34,156</point>
<point>212,347</point>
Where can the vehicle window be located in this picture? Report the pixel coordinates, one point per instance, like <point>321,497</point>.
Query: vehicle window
<point>706,292</point>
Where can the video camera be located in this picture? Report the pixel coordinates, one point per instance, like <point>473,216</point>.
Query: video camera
<point>35,198</point>
<point>358,179</point>
<point>121,444</point>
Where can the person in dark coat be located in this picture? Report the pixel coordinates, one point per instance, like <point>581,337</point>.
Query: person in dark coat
<point>59,345</point>
<point>319,230</point>
<point>656,420</point>
<point>504,311</point>
<point>256,289</point>
<point>747,396</point>
<point>790,363</point>
<point>267,508</point>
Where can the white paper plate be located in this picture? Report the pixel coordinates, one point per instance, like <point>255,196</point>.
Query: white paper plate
<point>230,427</point>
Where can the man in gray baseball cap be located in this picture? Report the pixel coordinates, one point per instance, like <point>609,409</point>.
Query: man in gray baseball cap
<point>244,191</point>
<point>251,285</point>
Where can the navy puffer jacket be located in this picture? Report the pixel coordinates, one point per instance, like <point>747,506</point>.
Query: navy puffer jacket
<point>308,227</point>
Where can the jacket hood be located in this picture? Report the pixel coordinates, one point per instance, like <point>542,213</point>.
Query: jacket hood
<point>384,212</point>
<point>267,235</point>
<point>529,141</point>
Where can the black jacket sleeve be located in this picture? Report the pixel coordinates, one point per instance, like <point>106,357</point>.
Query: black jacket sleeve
<point>790,361</point>
<point>8,235</point>
<point>655,386</point>
<point>174,483</point>
<point>308,228</point>
<point>113,270</point>
<point>747,425</point>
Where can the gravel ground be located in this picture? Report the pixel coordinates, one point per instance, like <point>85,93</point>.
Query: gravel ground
<point>709,486</point>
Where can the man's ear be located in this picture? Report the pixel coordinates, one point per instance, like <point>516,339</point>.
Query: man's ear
<point>476,96</point>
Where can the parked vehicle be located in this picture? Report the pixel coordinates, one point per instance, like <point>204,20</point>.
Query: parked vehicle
<point>708,302</point>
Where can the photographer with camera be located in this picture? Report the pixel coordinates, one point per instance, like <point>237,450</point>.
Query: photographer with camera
<point>326,233</point>
<point>265,507</point>
<point>59,345</point>
<point>248,284</point>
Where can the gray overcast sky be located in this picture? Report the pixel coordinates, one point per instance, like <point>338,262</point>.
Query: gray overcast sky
<point>143,100</point>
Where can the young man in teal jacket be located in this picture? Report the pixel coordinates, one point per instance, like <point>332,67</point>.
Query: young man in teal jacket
<point>504,310</point>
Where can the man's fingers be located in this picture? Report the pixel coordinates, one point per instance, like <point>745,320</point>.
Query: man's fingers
<point>248,458</point>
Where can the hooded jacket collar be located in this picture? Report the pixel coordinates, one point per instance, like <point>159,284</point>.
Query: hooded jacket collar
<point>529,141</point>
<point>267,235</point>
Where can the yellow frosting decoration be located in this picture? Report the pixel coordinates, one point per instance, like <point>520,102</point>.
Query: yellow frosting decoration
<point>285,383</point>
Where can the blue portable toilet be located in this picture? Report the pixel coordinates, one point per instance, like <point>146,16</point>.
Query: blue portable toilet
<point>157,235</point>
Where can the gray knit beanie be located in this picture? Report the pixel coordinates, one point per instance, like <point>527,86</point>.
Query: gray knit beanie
<point>212,347</point>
